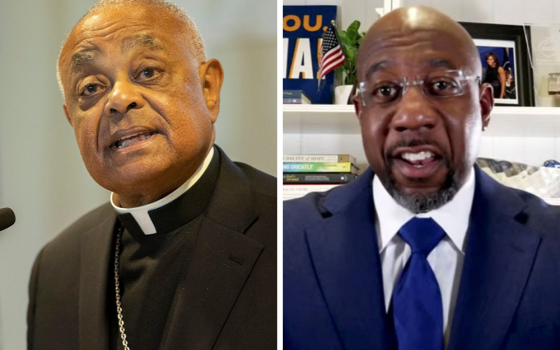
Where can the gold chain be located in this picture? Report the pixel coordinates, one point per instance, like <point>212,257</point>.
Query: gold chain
<point>117,288</point>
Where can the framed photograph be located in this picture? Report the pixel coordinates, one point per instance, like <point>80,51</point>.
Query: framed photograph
<point>544,57</point>
<point>505,62</point>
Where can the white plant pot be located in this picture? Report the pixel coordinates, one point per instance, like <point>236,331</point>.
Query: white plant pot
<point>342,94</point>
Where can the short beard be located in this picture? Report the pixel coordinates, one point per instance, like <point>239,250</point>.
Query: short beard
<point>423,203</point>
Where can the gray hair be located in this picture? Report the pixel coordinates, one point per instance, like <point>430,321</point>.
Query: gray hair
<point>422,203</point>
<point>196,42</point>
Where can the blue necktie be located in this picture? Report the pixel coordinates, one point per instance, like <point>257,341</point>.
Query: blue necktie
<point>417,305</point>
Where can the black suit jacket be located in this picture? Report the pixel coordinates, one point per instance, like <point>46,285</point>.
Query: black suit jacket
<point>509,295</point>
<point>230,302</point>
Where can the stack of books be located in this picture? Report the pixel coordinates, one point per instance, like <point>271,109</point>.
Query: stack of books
<point>304,173</point>
<point>295,97</point>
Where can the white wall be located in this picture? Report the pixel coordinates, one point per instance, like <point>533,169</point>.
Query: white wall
<point>42,176</point>
<point>520,149</point>
<point>514,12</point>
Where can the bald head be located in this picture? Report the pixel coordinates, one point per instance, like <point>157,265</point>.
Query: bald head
<point>164,9</point>
<point>410,23</point>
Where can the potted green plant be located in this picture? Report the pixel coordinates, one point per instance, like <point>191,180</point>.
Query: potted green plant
<point>350,40</point>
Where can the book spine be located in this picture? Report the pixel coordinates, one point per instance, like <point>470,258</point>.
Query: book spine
<point>304,178</point>
<point>305,158</point>
<point>292,188</point>
<point>297,191</point>
<point>319,158</point>
<point>303,167</point>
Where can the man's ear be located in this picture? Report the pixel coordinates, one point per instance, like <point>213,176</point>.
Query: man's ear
<point>486,103</point>
<point>67,115</point>
<point>211,76</point>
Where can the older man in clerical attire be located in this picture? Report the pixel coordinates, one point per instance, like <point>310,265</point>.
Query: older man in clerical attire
<point>184,255</point>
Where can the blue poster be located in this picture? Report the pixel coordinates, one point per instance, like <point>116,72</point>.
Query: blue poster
<point>303,32</point>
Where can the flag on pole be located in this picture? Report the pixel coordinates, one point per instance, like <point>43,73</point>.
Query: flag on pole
<point>332,56</point>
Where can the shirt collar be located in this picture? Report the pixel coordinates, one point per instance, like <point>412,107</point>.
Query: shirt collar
<point>453,217</point>
<point>141,215</point>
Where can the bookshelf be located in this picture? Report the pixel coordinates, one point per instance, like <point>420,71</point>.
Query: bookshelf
<point>522,134</point>
<point>504,122</point>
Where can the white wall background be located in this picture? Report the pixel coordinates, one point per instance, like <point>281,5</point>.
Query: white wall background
<point>531,150</point>
<point>42,176</point>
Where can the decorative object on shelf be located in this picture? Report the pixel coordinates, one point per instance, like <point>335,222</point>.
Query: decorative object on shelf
<point>343,94</point>
<point>544,56</point>
<point>332,56</point>
<point>552,164</point>
<point>303,32</point>
<point>505,60</point>
<point>350,40</point>
<point>541,181</point>
<point>554,83</point>
<point>295,97</point>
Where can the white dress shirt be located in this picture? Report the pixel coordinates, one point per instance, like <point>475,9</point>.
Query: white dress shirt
<point>446,259</point>
<point>140,214</point>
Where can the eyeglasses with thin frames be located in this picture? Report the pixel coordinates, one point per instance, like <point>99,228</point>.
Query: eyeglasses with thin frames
<point>436,85</point>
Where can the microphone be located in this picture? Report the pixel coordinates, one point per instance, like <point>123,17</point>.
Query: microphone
<point>7,218</point>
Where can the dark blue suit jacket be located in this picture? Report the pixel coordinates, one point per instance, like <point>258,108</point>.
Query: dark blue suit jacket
<point>509,296</point>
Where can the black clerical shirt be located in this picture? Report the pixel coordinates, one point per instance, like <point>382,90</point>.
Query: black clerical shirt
<point>151,266</point>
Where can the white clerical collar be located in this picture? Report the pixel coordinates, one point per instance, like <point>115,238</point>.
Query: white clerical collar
<point>141,215</point>
<point>453,217</point>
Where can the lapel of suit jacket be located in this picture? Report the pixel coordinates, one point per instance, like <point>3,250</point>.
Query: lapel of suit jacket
<point>96,255</point>
<point>222,261</point>
<point>499,256</point>
<point>345,254</point>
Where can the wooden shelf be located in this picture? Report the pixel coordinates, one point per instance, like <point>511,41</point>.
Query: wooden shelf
<point>340,119</point>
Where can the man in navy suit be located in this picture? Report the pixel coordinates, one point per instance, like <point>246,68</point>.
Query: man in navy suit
<point>357,270</point>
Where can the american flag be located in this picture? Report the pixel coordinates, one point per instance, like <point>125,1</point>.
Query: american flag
<point>331,53</point>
